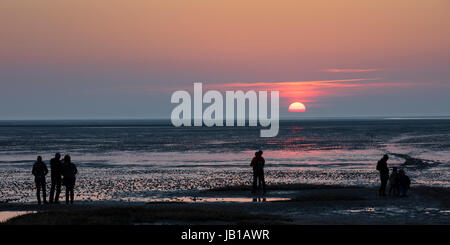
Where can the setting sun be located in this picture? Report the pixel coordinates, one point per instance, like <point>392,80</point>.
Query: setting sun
<point>297,107</point>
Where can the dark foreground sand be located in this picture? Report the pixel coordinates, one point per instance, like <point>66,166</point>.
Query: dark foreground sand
<point>291,204</point>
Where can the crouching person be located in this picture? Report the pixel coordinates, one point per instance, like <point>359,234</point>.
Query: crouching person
<point>404,183</point>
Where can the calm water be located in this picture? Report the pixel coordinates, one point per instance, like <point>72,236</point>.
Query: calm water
<point>141,160</point>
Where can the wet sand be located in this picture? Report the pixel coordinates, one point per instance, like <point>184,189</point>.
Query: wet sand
<point>285,204</point>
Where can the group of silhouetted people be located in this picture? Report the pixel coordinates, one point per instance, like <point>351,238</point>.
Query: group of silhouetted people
<point>62,172</point>
<point>399,182</point>
<point>259,184</point>
<point>258,173</point>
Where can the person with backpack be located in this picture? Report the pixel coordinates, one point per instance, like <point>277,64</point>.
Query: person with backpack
<point>40,171</point>
<point>69,170</point>
<point>384,174</point>
<point>258,172</point>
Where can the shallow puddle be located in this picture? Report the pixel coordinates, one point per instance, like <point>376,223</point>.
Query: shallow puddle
<point>6,215</point>
<point>220,199</point>
<point>391,211</point>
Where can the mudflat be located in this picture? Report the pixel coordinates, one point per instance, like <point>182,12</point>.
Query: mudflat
<point>285,204</point>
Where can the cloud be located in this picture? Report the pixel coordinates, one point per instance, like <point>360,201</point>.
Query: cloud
<point>310,91</point>
<point>335,70</point>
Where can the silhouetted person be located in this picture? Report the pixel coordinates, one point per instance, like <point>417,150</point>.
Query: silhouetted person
<point>384,174</point>
<point>258,172</point>
<point>403,182</point>
<point>56,169</point>
<point>69,170</point>
<point>393,182</point>
<point>39,171</point>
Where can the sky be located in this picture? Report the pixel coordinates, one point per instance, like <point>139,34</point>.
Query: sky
<point>106,59</point>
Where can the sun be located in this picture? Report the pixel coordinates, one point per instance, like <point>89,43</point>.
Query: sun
<point>297,107</point>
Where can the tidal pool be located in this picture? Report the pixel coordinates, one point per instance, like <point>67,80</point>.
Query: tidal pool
<point>6,215</point>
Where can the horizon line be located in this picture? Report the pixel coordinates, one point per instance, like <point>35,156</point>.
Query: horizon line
<point>281,118</point>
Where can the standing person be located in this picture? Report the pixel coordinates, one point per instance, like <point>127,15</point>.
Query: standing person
<point>393,182</point>
<point>258,172</point>
<point>404,182</point>
<point>40,171</point>
<point>384,174</point>
<point>56,168</point>
<point>69,170</point>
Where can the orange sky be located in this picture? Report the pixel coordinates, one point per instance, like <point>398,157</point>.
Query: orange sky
<point>290,32</point>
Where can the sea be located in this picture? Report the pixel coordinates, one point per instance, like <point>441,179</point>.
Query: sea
<point>145,160</point>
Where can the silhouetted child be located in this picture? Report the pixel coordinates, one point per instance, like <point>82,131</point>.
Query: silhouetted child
<point>69,170</point>
<point>40,171</point>
<point>404,183</point>
<point>393,182</point>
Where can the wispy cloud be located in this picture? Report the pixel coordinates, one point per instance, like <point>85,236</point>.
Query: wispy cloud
<point>339,82</point>
<point>290,91</point>
<point>309,91</point>
<point>336,70</point>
